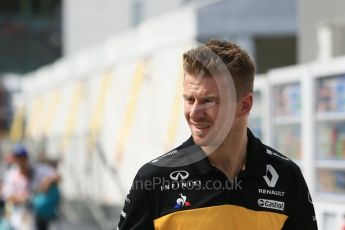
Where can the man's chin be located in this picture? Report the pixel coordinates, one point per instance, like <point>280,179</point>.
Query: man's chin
<point>200,140</point>
<point>208,142</point>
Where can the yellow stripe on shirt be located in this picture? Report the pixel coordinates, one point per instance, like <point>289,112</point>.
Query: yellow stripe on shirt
<point>222,217</point>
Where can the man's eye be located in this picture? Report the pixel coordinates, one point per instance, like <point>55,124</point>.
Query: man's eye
<point>189,100</point>
<point>210,101</point>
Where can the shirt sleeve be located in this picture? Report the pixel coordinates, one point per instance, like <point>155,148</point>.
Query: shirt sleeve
<point>303,213</point>
<point>136,213</point>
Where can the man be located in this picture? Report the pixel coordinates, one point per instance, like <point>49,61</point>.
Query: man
<point>46,194</point>
<point>222,177</point>
<point>16,190</point>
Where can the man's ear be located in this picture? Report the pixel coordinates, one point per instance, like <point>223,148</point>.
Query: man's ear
<point>244,105</point>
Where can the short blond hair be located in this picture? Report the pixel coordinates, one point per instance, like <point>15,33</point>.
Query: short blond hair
<point>217,56</point>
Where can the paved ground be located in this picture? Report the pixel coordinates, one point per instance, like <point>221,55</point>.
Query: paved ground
<point>62,225</point>
<point>66,225</point>
<point>79,217</point>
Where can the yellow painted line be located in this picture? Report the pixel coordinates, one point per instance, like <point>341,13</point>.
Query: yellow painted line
<point>98,113</point>
<point>53,102</point>
<point>17,127</point>
<point>129,112</point>
<point>72,115</point>
<point>35,116</point>
<point>176,112</point>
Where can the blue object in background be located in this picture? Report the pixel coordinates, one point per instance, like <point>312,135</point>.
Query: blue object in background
<point>46,204</point>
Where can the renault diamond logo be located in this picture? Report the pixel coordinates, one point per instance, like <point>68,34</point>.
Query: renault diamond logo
<point>273,175</point>
<point>179,175</point>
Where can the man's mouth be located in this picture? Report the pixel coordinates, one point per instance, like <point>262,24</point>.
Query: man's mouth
<point>200,128</point>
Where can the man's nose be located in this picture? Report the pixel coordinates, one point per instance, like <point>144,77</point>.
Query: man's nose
<point>197,111</point>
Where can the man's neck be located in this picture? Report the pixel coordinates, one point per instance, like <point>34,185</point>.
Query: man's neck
<point>230,156</point>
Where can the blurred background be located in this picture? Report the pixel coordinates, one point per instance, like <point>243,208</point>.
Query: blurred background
<point>95,88</point>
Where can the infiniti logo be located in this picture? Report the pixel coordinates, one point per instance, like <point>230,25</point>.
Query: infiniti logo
<point>179,175</point>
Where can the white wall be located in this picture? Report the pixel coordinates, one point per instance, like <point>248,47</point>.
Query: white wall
<point>311,14</point>
<point>88,22</point>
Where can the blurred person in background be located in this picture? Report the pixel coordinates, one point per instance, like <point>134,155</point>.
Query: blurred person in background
<point>46,193</point>
<point>5,164</point>
<point>16,190</point>
<point>30,192</point>
<point>222,177</point>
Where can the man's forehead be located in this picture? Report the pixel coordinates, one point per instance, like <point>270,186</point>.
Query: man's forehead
<point>200,93</point>
<point>206,88</point>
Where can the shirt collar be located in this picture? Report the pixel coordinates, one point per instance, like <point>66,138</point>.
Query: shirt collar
<point>255,163</point>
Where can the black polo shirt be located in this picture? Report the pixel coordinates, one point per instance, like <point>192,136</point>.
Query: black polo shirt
<point>182,190</point>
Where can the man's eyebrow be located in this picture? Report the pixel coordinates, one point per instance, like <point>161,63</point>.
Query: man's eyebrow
<point>187,96</point>
<point>207,97</point>
<point>211,97</point>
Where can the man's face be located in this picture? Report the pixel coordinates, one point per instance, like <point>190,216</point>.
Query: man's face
<point>21,161</point>
<point>201,106</point>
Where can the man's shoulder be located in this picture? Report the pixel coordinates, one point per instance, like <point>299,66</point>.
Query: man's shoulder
<point>163,163</point>
<point>179,158</point>
<point>279,160</point>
